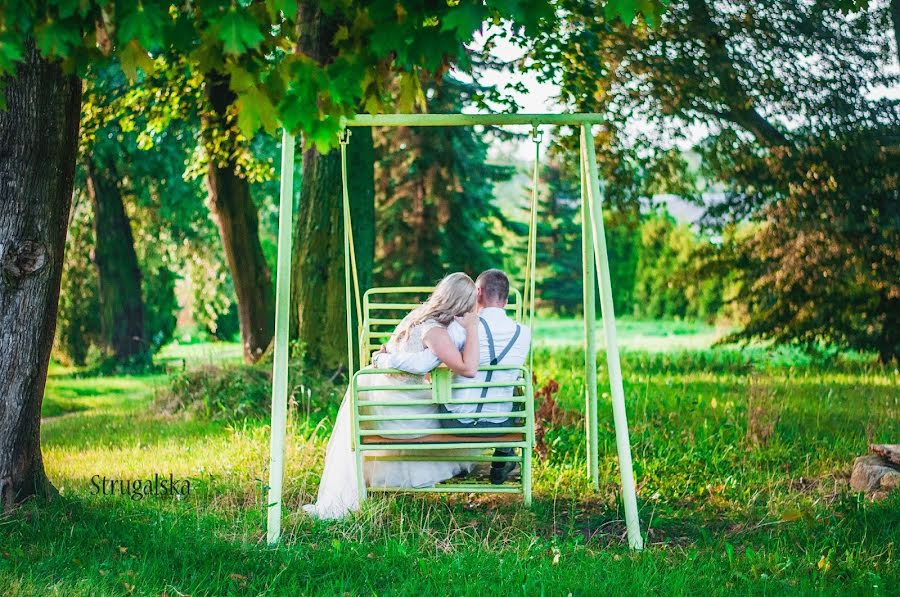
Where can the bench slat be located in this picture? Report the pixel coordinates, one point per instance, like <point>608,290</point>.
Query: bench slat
<point>444,438</point>
<point>364,402</point>
<point>442,416</point>
<point>452,488</point>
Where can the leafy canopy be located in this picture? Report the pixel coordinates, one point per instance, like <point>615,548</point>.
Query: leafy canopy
<point>253,43</point>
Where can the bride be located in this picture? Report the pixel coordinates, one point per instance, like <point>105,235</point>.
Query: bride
<point>425,328</point>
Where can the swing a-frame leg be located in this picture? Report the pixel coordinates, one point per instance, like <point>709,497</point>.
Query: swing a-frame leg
<point>282,331</point>
<point>617,392</point>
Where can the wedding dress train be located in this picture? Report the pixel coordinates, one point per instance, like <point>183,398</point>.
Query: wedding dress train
<point>338,491</point>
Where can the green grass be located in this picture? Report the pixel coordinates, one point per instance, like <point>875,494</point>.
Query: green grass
<point>722,512</point>
<point>200,353</point>
<point>633,334</point>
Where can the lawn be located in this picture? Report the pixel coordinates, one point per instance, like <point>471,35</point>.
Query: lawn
<point>633,334</point>
<point>742,460</point>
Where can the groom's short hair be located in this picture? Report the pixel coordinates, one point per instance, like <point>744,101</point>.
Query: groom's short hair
<point>494,284</point>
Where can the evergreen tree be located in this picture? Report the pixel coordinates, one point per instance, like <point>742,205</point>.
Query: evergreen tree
<point>559,229</point>
<point>434,197</point>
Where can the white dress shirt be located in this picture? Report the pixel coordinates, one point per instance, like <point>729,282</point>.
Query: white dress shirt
<point>503,329</point>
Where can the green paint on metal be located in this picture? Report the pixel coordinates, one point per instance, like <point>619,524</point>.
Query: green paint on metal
<point>373,438</point>
<point>282,334</point>
<point>472,119</point>
<point>617,391</point>
<point>590,341</point>
<point>595,257</point>
<point>440,381</point>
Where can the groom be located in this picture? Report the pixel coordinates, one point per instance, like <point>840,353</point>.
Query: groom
<point>502,341</point>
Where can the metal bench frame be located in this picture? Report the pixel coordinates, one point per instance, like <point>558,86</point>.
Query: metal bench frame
<point>513,436</point>
<point>441,386</point>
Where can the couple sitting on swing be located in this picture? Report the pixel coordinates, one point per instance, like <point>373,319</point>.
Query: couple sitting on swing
<point>462,325</point>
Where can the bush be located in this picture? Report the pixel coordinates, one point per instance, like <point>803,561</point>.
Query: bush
<point>212,392</point>
<point>78,319</point>
<point>245,392</point>
<point>671,280</point>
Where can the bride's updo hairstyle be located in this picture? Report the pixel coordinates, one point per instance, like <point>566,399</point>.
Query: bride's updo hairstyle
<point>452,297</point>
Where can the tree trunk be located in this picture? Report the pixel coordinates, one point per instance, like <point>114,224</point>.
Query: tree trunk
<point>38,146</point>
<point>235,213</point>
<point>317,270</point>
<point>118,272</point>
<point>895,20</point>
<point>889,342</point>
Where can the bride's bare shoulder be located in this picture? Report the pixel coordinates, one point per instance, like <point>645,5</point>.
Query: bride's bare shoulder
<point>433,329</point>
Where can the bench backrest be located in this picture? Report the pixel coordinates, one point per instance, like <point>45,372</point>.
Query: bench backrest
<point>384,308</point>
<point>376,407</point>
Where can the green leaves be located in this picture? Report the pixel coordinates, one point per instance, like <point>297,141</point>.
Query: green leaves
<point>132,57</point>
<point>288,8</point>
<point>411,94</point>
<point>465,18</point>
<point>11,51</point>
<point>239,32</point>
<point>56,38</point>
<point>651,10</point>
<point>144,23</point>
<point>253,105</point>
<point>380,54</point>
<point>254,108</point>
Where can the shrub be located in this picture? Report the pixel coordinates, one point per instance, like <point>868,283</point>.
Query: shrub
<point>213,392</point>
<point>245,392</point>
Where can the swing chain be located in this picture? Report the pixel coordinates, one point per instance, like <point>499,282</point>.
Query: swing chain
<point>537,135</point>
<point>344,136</point>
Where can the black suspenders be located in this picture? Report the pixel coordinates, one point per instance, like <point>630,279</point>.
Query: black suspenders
<point>495,358</point>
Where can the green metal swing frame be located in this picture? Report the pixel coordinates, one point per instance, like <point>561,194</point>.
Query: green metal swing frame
<point>595,258</point>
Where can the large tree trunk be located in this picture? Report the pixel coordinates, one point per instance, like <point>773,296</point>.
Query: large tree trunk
<point>118,272</point>
<point>38,145</point>
<point>235,213</point>
<point>317,270</point>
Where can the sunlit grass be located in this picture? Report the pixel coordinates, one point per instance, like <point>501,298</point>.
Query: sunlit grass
<point>645,335</point>
<point>723,511</point>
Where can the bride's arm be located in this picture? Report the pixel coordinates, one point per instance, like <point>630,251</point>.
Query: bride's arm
<point>463,362</point>
<point>418,363</point>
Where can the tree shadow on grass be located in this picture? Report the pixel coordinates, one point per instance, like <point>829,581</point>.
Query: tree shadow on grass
<point>103,547</point>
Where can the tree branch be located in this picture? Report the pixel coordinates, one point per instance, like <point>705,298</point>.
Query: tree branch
<point>740,103</point>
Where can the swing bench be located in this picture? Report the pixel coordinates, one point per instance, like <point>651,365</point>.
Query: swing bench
<point>379,310</point>
<point>383,309</point>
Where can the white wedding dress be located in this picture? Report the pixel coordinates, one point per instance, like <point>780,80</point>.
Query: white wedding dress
<point>338,492</point>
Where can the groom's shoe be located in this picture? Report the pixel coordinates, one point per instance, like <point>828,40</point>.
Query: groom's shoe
<point>500,471</point>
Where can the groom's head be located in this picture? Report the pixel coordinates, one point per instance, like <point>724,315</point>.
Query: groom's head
<point>492,289</point>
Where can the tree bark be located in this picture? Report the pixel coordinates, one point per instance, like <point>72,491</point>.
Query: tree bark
<point>118,272</point>
<point>236,216</point>
<point>895,20</point>
<point>317,269</point>
<point>38,146</point>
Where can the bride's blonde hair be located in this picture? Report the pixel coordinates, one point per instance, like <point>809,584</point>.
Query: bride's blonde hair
<point>452,297</point>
